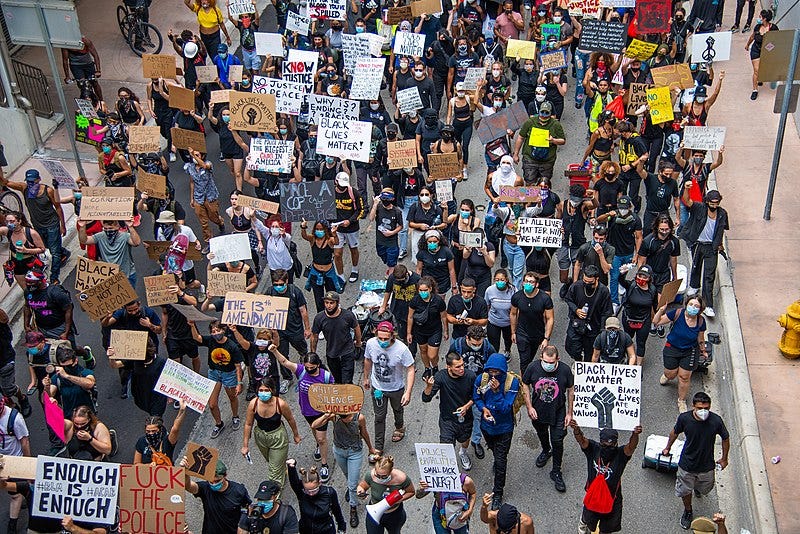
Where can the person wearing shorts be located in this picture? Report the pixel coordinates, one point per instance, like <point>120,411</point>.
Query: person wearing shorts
<point>390,223</point>
<point>427,319</point>
<point>349,209</point>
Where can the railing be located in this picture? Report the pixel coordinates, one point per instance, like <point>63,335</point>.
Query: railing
<point>33,85</point>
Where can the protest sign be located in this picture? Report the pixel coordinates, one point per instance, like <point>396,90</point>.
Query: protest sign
<point>641,50</point>
<point>61,176</point>
<point>438,466</point>
<point>521,49</point>
<point>266,206</point>
<point>240,7</point>
<point>522,193</point>
<point>367,77</point>
<point>444,190</point>
<point>222,96</point>
<point>704,137</point>
<point>311,201</point>
<point>257,311</point>
<point>708,47</point>
<point>660,102</point>
<point>344,139</point>
<point>550,32</point>
<point>107,203</point>
<point>607,395</point>
<point>89,273</point>
<point>402,154</point>
<point>157,290</point>
<point>180,97</point>
<point>86,130</point>
<point>672,76</point>
<point>539,232</point>
<point>206,74</point>
<point>235,73</point>
<point>24,467</point>
<point>269,44</point>
<point>219,283</point>
<point>637,97</point>
<point>230,247</point>
<point>85,491</point>
<point>252,112</point>
<point>354,47</point>
<point>107,296</point>
<point>129,344</point>
<point>587,8</point>
<point>444,166</point>
<point>472,77</point>
<point>653,16</point>
<point>497,124</point>
<point>409,44</point>
<point>327,9</point>
<point>669,292</point>
<point>155,185</point>
<point>151,499</point>
<point>555,60</point>
<point>192,313</point>
<point>144,139</point>
<point>336,398</point>
<point>409,100</point>
<point>270,155</point>
<point>186,139</point>
<point>539,138</point>
<point>54,417</point>
<point>470,239</point>
<point>396,15</point>
<point>85,108</point>
<point>202,460</point>
<point>180,383</point>
<point>297,23</point>
<point>329,106</point>
<point>300,67</point>
<point>288,95</point>
<point>158,66</point>
<point>603,36</point>
<point>426,7</point>
<point>156,248</point>
<point>375,42</point>
<point>617,3</point>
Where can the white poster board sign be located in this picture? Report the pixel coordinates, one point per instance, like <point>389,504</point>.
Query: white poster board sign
<point>539,232</point>
<point>708,47</point>
<point>344,139</point>
<point>180,383</point>
<point>300,67</point>
<point>409,100</point>
<point>85,491</point>
<point>297,23</point>
<point>240,7</point>
<point>288,95</point>
<point>704,137</point>
<point>438,466</point>
<point>607,395</point>
<point>355,47</point>
<point>231,247</point>
<point>270,155</point>
<point>330,106</point>
<point>327,9</point>
<point>367,77</point>
<point>59,173</point>
<point>409,44</point>
<point>444,190</point>
<point>473,76</point>
<point>269,44</point>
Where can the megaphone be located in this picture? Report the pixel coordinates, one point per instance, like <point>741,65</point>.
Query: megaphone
<point>377,510</point>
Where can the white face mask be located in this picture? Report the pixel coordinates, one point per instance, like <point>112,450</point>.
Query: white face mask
<point>424,199</point>
<point>540,98</point>
<point>528,68</point>
<point>556,20</point>
<point>496,73</point>
<point>702,413</point>
<point>374,107</point>
<point>404,64</point>
<point>275,231</point>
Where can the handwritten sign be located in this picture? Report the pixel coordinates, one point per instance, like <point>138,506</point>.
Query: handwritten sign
<point>521,193</point>
<point>252,112</point>
<point>219,283</point>
<point>396,15</point>
<point>496,125</point>
<point>540,137</point>
<point>257,311</point>
<point>86,130</point>
<point>429,7</point>
<point>603,36</point>
<point>409,100</point>
<point>472,77</point>
<point>520,49</point>
<point>409,44</point>
<point>344,139</point>
<point>61,176</point>
<point>607,395</point>
<point>470,239</point>
<point>587,8</point>
<point>672,76</point>
<point>235,73</point>
<point>144,139</point>
<point>157,290</point>
<point>180,383</point>
<point>151,499</point>
<point>206,74</point>
<point>539,232</point>
<point>555,60</point>
<point>637,97</point>
<point>332,107</point>
<point>129,344</point>
<point>85,491</point>
<point>155,185</point>
<point>266,206</point>
<point>158,66</point>
<point>660,103</point>
<point>704,137</point>
<point>444,166</point>
<point>155,249</point>
<point>327,9</point>
<point>269,44</point>
<point>355,47</point>
<point>652,16</point>
<point>300,67</point>
<point>641,50</point>
<point>107,296</point>
<point>550,32</point>
<point>367,78</point>
<point>107,203</point>
<point>89,273</point>
<point>231,247</point>
<point>86,108</point>
<point>401,154</point>
<point>307,200</point>
<point>438,466</point>
<point>240,7</point>
<point>297,23</point>
<point>221,96</point>
<point>444,190</point>
<point>288,95</point>
<point>336,398</point>
<point>202,460</point>
<point>193,314</point>
<point>181,98</point>
<point>186,139</point>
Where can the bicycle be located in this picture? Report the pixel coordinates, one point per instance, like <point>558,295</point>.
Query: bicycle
<point>9,201</point>
<point>139,35</point>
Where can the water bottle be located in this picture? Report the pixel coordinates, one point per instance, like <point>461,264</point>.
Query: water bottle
<point>19,255</point>
<point>460,416</point>
<point>437,221</point>
<point>585,309</point>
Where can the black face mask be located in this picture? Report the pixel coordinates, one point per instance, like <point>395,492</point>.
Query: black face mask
<point>430,122</point>
<point>154,440</point>
<point>391,135</point>
<point>712,209</point>
<point>608,452</point>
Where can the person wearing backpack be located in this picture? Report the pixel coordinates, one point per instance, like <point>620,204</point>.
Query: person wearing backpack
<point>614,345</point>
<point>15,441</point>
<point>451,509</point>
<point>606,461</point>
<point>496,395</point>
<point>549,394</point>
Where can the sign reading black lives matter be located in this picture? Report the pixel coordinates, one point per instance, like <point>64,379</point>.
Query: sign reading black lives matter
<point>607,395</point>
<point>311,201</point>
<point>603,36</point>
<point>539,232</point>
<point>85,491</point>
<point>438,466</point>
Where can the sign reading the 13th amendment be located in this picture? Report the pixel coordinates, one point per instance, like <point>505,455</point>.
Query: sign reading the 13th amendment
<point>607,395</point>
<point>257,311</point>
<point>438,466</point>
<point>344,139</point>
<point>85,491</point>
<point>538,232</point>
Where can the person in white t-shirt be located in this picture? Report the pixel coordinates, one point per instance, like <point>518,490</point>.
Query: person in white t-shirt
<point>17,444</point>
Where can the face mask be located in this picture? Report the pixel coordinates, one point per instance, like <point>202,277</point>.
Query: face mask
<point>446,136</point>
<point>234,263</point>
<point>412,114</point>
<point>461,93</point>
<point>311,370</point>
<point>359,29</point>
<point>391,135</point>
<point>418,74</point>
<point>528,68</point>
<point>78,196</point>
<point>217,486</point>
<point>556,20</point>
<point>700,99</point>
<point>275,232</point>
<point>501,284</point>
<point>329,160</point>
<point>465,214</point>
<point>374,107</point>
<point>497,104</point>
<point>262,343</point>
<point>607,452</point>
<point>404,64</point>
<point>424,294</point>
<point>266,506</point>
<point>386,203</point>
<point>217,337</point>
<point>430,122</point>
<point>153,439</point>
<point>319,234</point>
<point>623,212</point>
<point>336,28</point>
<point>540,98</point>
<point>692,310</point>
<point>528,287</point>
<point>678,18</point>
<point>505,167</point>
<point>496,73</point>
<point>279,289</point>
<point>702,413</point>
<point>226,119</point>
<point>312,141</point>
<point>11,226</point>
<point>573,203</point>
<point>549,367</point>
<point>712,209</point>
<point>433,247</point>
<point>641,283</point>
<point>424,199</point>
<point>384,344</point>
<point>106,150</point>
<point>283,131</point>
<point>538,248</point>
<point>544,118</point>
<point>663,234</point>
<point>758,20</point>
<point>111,234</point>
<point>35,350</point>
<point>245,82</point>
<point>264,396</point>
<point>384,480</point>
<point>610,176</point>
<point>697,161</point>
<point>462,49</point>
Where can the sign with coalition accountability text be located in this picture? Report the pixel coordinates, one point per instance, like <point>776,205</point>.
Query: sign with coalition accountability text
<point>607,395</point>
<point>539,232</point>
<point>85,491</point>
<point>257,311</point>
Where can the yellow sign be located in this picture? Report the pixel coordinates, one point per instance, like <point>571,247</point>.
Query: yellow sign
<point>521,49</point>
<point>640,49</point>
<point>539,138</point>
<point>660,102</point>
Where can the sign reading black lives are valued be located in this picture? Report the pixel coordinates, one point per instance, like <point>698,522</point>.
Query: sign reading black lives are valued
<point>311,201</point>
<point>603,36</point>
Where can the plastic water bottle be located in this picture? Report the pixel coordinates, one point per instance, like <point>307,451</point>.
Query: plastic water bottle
<point>19,255</point>
<point>585,309</point>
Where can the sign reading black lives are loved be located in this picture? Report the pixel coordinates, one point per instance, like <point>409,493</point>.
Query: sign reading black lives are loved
<point>603,36</point>
<point>607,395</point>
<point>438,466</point>
<point>311,201</point>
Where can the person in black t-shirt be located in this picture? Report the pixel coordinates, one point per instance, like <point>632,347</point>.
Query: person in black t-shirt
<point>625,235</point>
<point>401,287</point>
<point>298,326</point>
<point>435,259</point>
<point>659,189</point>
<point>613,345</point>
<point>532,320</point>
<point>178,338</point>
<point>639,307</point>
<point>589,306</point>
<point>157,445</point>
<point>390,223</point>
<point>597,252</point>
<point>261,363</point>
<point>467,309</point>
<point>342,335</point>
<point>222,499</point>
<point>427,320</point>
<point>269,514</point>
<point>660,250</point>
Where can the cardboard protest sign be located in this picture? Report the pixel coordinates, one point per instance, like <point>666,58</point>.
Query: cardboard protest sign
<point>678,75</point>
<point>607,395</point>
<point>221,96</point>
<point>297,23</point>
<point>24,467</point>
<point>652,16</point>
<point>327,9</point>
<point>207,74</point>
<point>158,66</point>
<point>202,460</point>
<point>219,283</point>
<point>669,292</point>
<point>192,313</point>
<point>288,95</point>
<point>240,7</point>
<point>328,106</point>
<point>252,112</point>
<point>714,46</point>
<point>660,102</point>
<point>402,154</point>
<point>496,125</point>
<point>774,62</point>
<point>230,247</point>
<point>270,155</point>
<point>156,248</point>
<point>107,296</point>
<point>522,193</point>
<point>641,50</point>
<point>89,273</point>
<point>438,466</point>
<point>396,15</point>
<point>180,97</point>
<point>269,44</point>
<point>157,290</point>
<point>603,36</point>
<point>429,7</point>
<point>555,60</point>
<point>86,130</point>
<point>300,67</point>
<point>107,203</point>
<point>235,73</point>
<point>257,311</point>
<point>85,491</point>
<point>180,383</point>
<point>444,166</point>
<point>151,499</point>
<point>704,137</point>
<point>539,232</point>
<point>336,398</point>
<point>470,239</point>
<point>473,76</point>
<point>444,190</point>
<point>409,44</point>
<point>311,201</point>
<point>367,78</point>
<point>129,344</point>
<point>61,176</point>
<point>520,49</point>
<point>266,206</point>
<point>344,139</point>
<point>85,108</point>
<point>636,96</point>
<point>155,185</point>
<point>54,417</point>
<point>588,8</point>
<point>144,139</point>
<point>409,100</point>
<point>186,139</point>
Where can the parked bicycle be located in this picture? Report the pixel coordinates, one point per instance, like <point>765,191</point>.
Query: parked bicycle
<point>140,35</point>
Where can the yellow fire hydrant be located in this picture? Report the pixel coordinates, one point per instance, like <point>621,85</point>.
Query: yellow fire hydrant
<point>789,344</point>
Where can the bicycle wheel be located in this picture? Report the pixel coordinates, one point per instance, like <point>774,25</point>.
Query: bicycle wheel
<point>144,38</point>
<point>122,15</point>
<point>10,201</point>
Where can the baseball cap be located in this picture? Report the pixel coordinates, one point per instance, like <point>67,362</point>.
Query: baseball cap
<point>221,469</point>
<point>713,196</point>
<point>609,434</point>
<point>222,48</point>
<point>703,524</point>
<point>33,338</point>
<point>387,193</point>
<point>166,217</point>
<point>624,203</point>
<point>343,179</point>
<point>331,295</point>
<point>645,270</point>
<point>266,490</point>
<point>613,322</point>
<point>385,326</point>
<point>35,275</point>
<point>392,127</point>
<point>507,517</point>
<point>31,175</point>
<point>460,86</point>
<point>546,107</point>
<point>190,50</point>
<point>701,91</point>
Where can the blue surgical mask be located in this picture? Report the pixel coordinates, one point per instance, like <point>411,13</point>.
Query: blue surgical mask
<point>319,233</point>
<point>424,294</point>
<point>528,287</point>
<point>548,367</point>
<point>692,310</point>
<point>758,20</point>
<point>266,506</point>
<point>538,248</point>
<point>106,150</point>
<point>245,82</point>
<point>34,351</point>
<point>235,263</point>
<point>501,284</point>
<point>329,160</point>
<point>223,55</point>
<point>217,486</point>
<point>264,396</point>
<point>226,119</point>
<point>359,29</point>
<point>283,131</point>
<point>433,246</point>
<point>11,226</point>
<point>465,214</point>
<point>279,289</point>
<point>384,344</point>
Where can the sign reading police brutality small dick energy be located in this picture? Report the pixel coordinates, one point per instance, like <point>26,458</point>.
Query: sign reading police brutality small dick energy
<point>438,466</point>
<point>257,311</point>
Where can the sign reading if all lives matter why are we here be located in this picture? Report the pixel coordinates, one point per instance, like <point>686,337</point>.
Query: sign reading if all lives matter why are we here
<point>85,491</point>
<point>539,232</point>
<point>607,395</point>
<point>438,466</point>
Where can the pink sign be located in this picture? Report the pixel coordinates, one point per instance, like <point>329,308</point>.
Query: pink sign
<point>54,416</point>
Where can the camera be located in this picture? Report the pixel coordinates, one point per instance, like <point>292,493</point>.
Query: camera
<point>255,511</point>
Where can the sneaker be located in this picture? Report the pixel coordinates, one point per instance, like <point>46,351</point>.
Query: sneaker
<point>682,408</point>
<point>124,393</point>
<point>317,455</point>
<point>480,454</point>
<point>464,175</point>
<point>235,423</point>
<point>615,308</point>
<point>283,389</point>
<point>176,405</point>
<point>114,443</point>
<point>426,373</point>
<point>753,95</point>
<point>507,355</point>
<point>746,28</point>
<point>353,276</point>
<point>172,157</point>
<point>221,157</point>
<point>562,292</point>
<point>25,407</point>
<point>661,331</point>
<point>734,28</point>
<point>652,330</point>
<point>89,358</point>
<point>558,481</point>
<point>201,294</point>
<point>692,291</point>
<point>466,462</point>
<point>663,380</point>
<point>541,460</point>
<point>497,501</point>
<point>321,335</point>
<point>686,519</point>
<point>324,473</point>
<point>403,254</point>
<point>709,312</point>
<point>216,430</point>
<point>353,516</point>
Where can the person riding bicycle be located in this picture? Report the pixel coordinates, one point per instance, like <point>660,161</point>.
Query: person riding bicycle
<point>83,64</point>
